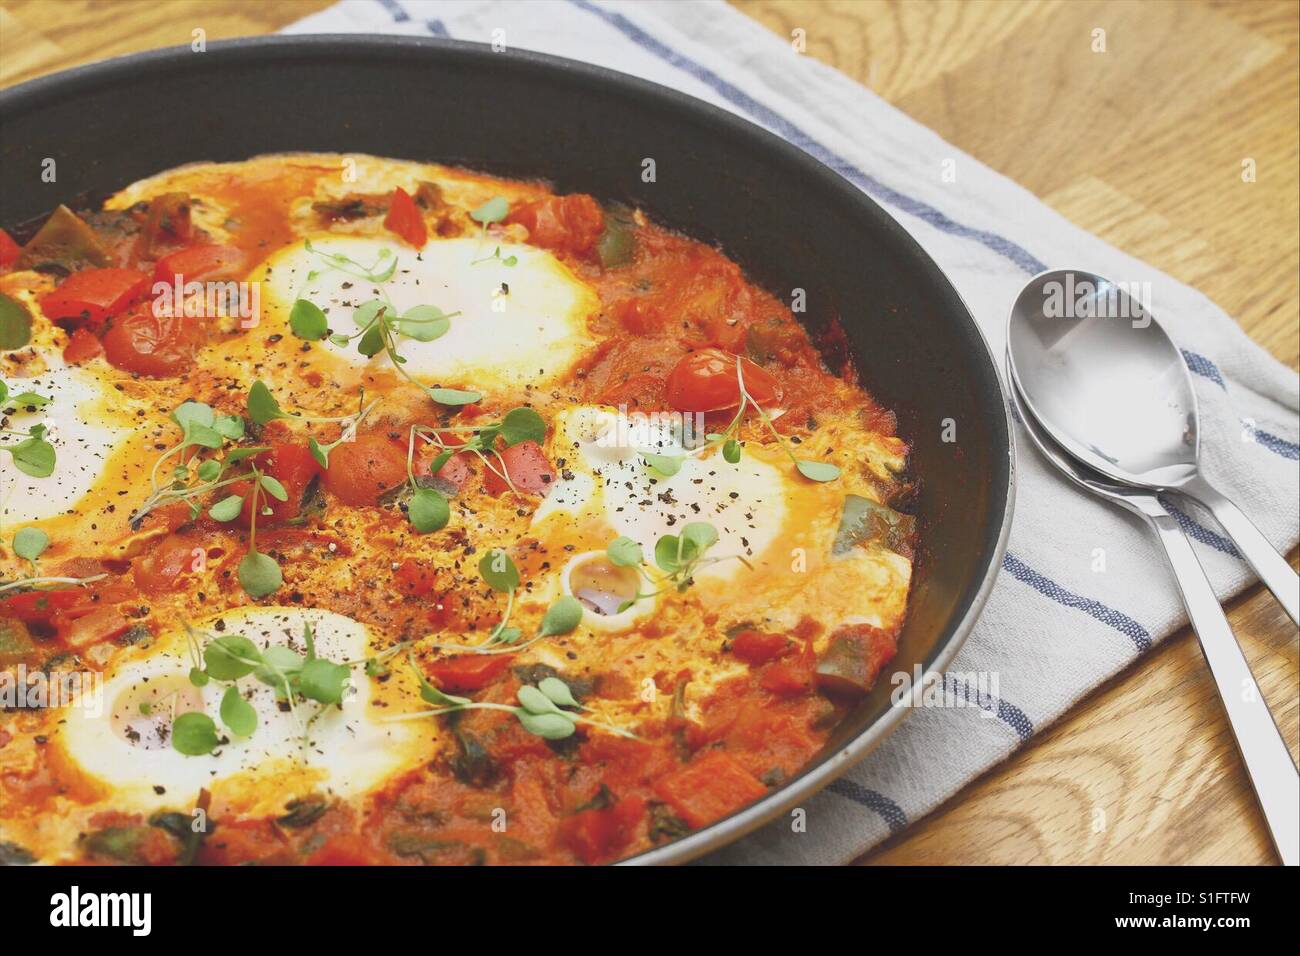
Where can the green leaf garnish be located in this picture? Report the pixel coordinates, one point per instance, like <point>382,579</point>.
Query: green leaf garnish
<point>561,617</point>
<point>623,552</point>
<point>499,571</point>
<point>666,465</point>
<point>29,543</point>
<point>428,510</point>
<point>307,321</point>
<point>323,681</point>
<point>817,470</point>
<point>274,488</point>
<point>238,714</point>
<point>453,396</point>
<point>231,657</point>
<point>494,210</point>
<point>522,424</point>
<point>547,726</point>
<point>194,734</point>
<point>227,509</point>
<point>33,456</point>
<point>259,575</point>
<point>262,405</point>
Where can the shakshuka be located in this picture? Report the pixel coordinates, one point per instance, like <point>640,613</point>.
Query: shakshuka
<point>365,511</point>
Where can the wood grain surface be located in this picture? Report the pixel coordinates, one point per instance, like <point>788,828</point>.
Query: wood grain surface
<point>1142,145</point>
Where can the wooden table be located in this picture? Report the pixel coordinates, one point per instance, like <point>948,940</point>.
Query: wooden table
<point>1185,92</point>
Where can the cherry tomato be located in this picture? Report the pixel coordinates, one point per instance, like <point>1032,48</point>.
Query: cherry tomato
<point>9,250</point>
<point>294,467</point>
<point>82,346</point>
<point>527,466</point>
<point>363,469</point>
<point>164,566</point>
<point>565,223</point>
<point>208,261</point>
<point>706,381</point>
<point>157,346</point>
<point>404,218</point>
<point>94,294</point>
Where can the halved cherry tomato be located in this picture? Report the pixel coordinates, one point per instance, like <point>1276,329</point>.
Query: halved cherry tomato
<point>567,223</point>
<point>94,294</point>
<point>165,565</point>
<point>527,466</point>
<point>600,833</point>
<point>364,468</point>
<point>293,467</point>
<point>82,346</point>
<point>755,647</point>
<point>208,261</point>
<point>101,624</point>
<point>709,788</point>
<point>456,470</point>
<point>706,381</point>
<point>404,218</point>
<point>469,672</point>
<point>157,346</point>
<point>9,250</point>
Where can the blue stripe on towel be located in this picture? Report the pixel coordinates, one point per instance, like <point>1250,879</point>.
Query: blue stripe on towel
<point>1120,621</point>
<point>1005,711</point>
<point>1203,367</point>
<point>1194,530</point>
<point>999,244</point>
<point>1273,443</point>
<point>396,11</point>
<point>889,811</point>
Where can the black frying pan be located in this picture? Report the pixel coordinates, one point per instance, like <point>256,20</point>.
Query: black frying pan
<point>787,219</point>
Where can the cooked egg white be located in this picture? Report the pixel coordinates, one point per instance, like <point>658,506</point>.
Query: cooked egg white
<point>86,423</point>
<point>345,750</point>
<point>510,325</point>
<point>745,502</point>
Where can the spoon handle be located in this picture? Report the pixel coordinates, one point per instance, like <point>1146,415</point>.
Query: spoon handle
<point>1268,762</point>
<point>1271,567</point>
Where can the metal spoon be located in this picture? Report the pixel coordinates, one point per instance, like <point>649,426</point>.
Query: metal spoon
<point>1268,762</point>
<point>1105,381</point>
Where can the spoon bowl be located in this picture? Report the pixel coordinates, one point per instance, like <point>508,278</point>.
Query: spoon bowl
<point>1107,384</point>
<point>1104,379</point>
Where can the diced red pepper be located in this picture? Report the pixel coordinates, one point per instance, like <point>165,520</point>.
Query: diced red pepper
<point>755,647</point>
<point>792,677</point>
<point>101,624</point>
<point>9,250</point>
<point>468,672</point>
<point>527,466</point>
<point>94,294</point>
<point>405,219</point>
<point>208,261</point>
<point>600,833</point>
<point>709,788</point>
<point>566,223</point>
<point>38,607</point>
<point>82,346</point>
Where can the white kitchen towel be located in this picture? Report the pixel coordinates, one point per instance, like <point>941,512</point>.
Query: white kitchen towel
<point>1054,627</point>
